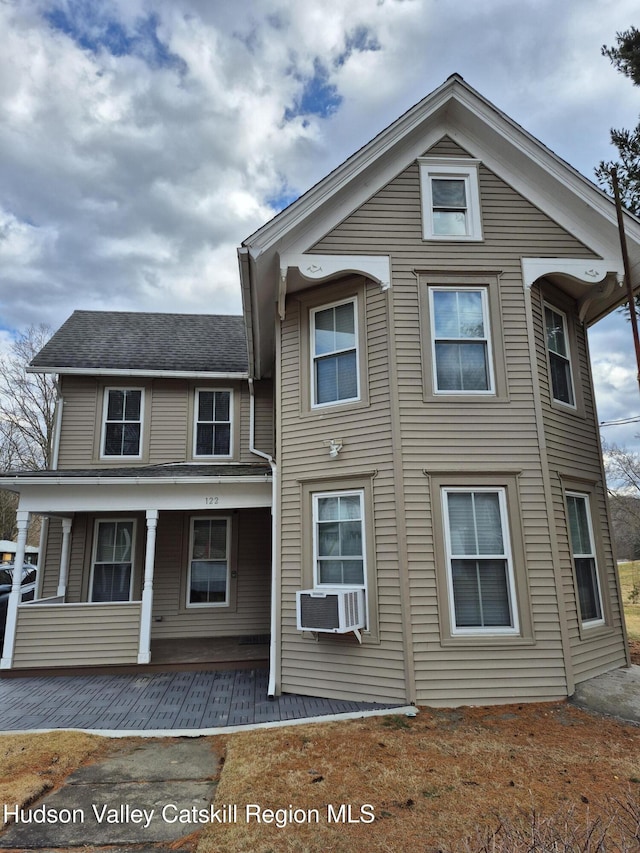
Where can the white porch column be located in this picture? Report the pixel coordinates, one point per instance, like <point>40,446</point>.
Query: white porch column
<point>14,597</point>
<point>144,649</point>
<point>65,555</point>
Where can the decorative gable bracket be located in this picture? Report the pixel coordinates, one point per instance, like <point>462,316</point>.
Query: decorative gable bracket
<point>601,277</point>
<point>316,268</point>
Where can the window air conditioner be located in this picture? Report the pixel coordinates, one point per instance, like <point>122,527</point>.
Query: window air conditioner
<point>334,611</point>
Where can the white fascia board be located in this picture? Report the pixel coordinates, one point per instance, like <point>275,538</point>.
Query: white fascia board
<point>160,374</point>
<point>50,499</point>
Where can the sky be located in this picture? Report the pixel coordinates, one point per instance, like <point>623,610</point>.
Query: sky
<point>142,140</point>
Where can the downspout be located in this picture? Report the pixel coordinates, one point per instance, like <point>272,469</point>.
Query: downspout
<point>57,426</point>
<point>273,645</point>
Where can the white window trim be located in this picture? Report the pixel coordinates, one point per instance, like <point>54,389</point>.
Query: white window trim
<point>462,168</point>
<point>317,496</point>
<point>586,623</point>
<point>483,291</point>
<point>196,398</point>
<point>312,355</point>
<point>94,553</point>
<point>508,556</point>
<point>105,409</point>
<point>208,604</point>
<point>567,342</point>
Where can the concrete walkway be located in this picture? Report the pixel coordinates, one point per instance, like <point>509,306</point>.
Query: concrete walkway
<point>158,703</point>
<point>616,693</point>
<point>152,793</point>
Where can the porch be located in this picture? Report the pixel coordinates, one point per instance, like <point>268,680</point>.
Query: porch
<point>160,703</point>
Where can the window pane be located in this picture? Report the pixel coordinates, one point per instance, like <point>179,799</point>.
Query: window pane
<point>222,405</point>
<point>329,539</point>
<point>488,523</point>
<point>445,311</point>
<point>328,509</point>
<point>555,332</point>
<point>122,544</point>
<point>106,541</point>
<point>347,377</point>
<point>111,582</point>
<point>561,385</point>
<point>470,318</point>
<point>345,326</point>
<point>350,538</point>
<point>113,439</point>
<point>326,380</point>
<point>330,571</point>
<point>222,443</point>
<point>466,594</point>
<point>462,530</point>
<point>204,439</point>
<point>205,406</point>
<point>324,338</point>
<point>115,405</point>
<point>579,525</point>
<point>588,592</point>
<point>349,507</point>
<point>208,582</point>
<point>353,572</point>
<point>130,439</point>
<point>446,192</point>
<point>461,367</point>
<point>449,223</point>
<point>200,540</point>
<point>132,405</point>
<point>494,594</point>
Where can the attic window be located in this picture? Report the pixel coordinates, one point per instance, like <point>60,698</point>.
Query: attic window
<point>450,198</point>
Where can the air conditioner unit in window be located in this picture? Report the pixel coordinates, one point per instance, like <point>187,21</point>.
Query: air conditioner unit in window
<point>333,611</point>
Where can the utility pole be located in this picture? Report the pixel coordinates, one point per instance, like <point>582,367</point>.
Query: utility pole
<point>627,270</point>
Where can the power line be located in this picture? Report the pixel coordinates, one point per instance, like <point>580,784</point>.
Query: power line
<point>632,420</point>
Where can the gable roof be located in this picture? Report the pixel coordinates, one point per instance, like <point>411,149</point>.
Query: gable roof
<point>456,110</point>
<point>134,343</point>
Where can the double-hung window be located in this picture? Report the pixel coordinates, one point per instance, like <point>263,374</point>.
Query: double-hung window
<point>338,539</point>
<point>122,428</point>
<point>208,577</point>
<point>555,325</point>
<point>213,417</point>
<point>461,341</point>
<point>112,566</point>
<point>450,198</point>
<point>584,559</point>
<point>479,562</point>
<point>334,353</point>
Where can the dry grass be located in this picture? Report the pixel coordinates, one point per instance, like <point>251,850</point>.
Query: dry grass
<point>34,763</point>
<point>630,578</point>
<point>435,782</point>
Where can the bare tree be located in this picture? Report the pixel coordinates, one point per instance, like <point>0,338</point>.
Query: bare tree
<point>27,404</point>
<point>623,484</point>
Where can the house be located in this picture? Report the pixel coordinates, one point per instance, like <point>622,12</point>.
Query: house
<point>8,552</point>
<point>399,479</point>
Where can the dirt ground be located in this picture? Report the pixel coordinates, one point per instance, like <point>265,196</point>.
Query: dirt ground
<point>634,648</point>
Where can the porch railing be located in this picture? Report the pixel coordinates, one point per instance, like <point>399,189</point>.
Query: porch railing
<point>50,634</point>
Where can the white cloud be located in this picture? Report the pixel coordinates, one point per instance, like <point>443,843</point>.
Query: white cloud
<point>133,164</point>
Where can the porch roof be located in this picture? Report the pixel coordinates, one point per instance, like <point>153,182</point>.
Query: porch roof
<point>169,473</point>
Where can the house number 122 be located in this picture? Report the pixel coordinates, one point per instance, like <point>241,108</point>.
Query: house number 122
<point>211,501</point>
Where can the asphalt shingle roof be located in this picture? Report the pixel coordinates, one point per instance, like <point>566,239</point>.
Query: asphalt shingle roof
<point>153,472</point>
<point>127,340</point>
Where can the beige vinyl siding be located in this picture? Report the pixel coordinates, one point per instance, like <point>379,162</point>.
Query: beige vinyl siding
<point>80,402</point>
<point>251,530</point>
<point>169,414</point>
<point>77,635</point>
<point>49,563</point>
<point>473,435</point>
<point>168,420</point>
<point>573,450</point>
<point>334,666</point>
